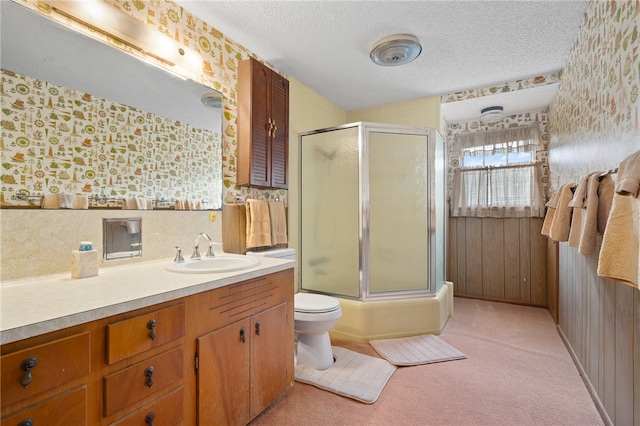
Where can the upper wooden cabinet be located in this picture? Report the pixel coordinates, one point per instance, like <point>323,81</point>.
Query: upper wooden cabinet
<point>263,126</point>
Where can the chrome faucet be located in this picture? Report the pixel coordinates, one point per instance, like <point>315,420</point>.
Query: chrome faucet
<point>196,248</point>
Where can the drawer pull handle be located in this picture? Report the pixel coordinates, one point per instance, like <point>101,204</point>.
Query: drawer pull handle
<point>148,373</point>
<point>149,418</point>
<point>151,326</point>
<point>27,365</point>
<point>258,328</point>
<point>242,335</point>
<point>27,422</point>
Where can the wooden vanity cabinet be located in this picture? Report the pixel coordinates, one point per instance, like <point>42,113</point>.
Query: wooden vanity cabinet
<point>97,373</point>
<point>263,126</point>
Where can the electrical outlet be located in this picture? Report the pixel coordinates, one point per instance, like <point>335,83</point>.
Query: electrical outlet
<point>213,216</point>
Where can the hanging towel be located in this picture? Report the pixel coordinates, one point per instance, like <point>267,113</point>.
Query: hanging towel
<point>80,202</point>
<point>619,257</point>
<point>589,231</point>
<point>605,199</point>
<point>129,203</point>
<point>278,222</point>
<point>65,201</point>
<point>561,223</point>
<point>141,203</point>
<point>50,201</point>
<point>620,254</point>
<point>180,205</point>
<point>551,211</point>
<point>577,204</point>
<point>258,224</point>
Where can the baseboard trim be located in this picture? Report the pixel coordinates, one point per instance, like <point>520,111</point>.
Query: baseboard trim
<point>585,378</point>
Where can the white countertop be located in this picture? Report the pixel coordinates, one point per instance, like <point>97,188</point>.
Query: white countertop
<point>44,304</point>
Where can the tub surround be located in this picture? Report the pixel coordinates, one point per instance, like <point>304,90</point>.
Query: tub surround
<point>387,319</point>
<point>32,307</point>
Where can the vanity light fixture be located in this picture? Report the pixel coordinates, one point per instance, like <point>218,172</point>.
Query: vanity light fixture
<point>491,114</point>
<point>147,43</point>
<point>398,49</point>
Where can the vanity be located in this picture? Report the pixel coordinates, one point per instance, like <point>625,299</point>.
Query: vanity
<point>140,345</point>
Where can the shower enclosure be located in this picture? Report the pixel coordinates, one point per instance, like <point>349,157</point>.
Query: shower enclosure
<point>372,211</point>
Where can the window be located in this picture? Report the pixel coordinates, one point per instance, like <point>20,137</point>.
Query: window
<point>498,174</point>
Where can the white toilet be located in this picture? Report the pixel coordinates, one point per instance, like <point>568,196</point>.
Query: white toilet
<point>314,315</point>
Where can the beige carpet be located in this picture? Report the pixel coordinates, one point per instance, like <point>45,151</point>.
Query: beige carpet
<point>354,375</point>
<point>416,350</point>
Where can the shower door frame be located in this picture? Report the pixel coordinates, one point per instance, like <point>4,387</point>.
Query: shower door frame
<point>364,128</point>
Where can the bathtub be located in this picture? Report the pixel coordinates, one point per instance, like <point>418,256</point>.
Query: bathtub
<point>385,319</point>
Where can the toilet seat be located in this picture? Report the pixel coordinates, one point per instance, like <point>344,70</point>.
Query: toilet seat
<point>315,303</point>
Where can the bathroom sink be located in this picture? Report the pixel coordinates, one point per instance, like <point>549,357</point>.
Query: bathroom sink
<point>222,263</point>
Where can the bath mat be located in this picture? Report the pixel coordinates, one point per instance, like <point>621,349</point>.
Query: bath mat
<point>416,350</point>
<point>356,376</point>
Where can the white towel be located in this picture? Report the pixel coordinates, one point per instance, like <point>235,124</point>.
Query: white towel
<point>65,201</point>
<point>141,203</point>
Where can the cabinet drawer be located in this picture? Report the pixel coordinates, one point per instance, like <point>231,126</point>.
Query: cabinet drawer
<point>135,335</point>
<point>165,411</point>
<point>139,381</point>
<point>63,410</point>
<point>55,363</point>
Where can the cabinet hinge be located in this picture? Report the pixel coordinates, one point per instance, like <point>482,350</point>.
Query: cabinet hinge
<point>196,362</point>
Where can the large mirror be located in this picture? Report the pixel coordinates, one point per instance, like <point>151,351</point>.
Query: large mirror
<point>85,124</point>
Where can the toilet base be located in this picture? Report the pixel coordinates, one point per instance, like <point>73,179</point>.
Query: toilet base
<point>315,351</point>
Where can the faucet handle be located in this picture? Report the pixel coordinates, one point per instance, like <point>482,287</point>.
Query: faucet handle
<point>210,252</point>
<point>178,258</point>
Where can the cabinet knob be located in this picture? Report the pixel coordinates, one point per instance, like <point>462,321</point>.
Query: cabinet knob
<point>27,365</point>
<point>242,335</point>
<point>26,422</point>
<point>151,326</point>
<point>148,419</point>
<point>148,373</point>
<point>258,328</point>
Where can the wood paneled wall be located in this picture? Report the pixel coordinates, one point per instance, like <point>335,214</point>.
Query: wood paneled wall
<point>498,259</point>
<point>600,320</point>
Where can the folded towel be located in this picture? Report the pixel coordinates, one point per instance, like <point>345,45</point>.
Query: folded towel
<point>278,222</point>
<point>180,205</point>
<point>620,254</point>
<point>129,203</point>
<point>80,202</point>
<point>65,201</point>
<point>561,223</point>
<point>628,181</point>
<point>605,199</point>
<point>551,211</point>
<point>589,231</point>
<point>50,201</point>
<point>141,203</point>
<point>258,224</point>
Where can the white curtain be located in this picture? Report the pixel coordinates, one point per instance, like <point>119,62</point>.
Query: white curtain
<point>489,184</point>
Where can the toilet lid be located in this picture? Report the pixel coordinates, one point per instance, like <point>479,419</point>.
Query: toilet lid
<point>310,303</point>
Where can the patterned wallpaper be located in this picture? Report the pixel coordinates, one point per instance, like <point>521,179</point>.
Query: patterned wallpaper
<point>56,140</point>
<point>595,116</point>
<point>220,59</point>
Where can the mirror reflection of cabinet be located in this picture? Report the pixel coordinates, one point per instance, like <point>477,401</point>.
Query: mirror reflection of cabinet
<point>263,126</point>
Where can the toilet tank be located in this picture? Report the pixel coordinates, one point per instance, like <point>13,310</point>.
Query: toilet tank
<point>282,253</point>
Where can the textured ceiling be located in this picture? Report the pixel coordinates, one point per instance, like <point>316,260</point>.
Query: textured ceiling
<point>466,44</point>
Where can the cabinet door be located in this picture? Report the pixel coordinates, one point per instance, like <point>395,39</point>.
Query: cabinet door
<point>280,133</point>
<point>223,375</point>
<point>269,357</point>
<point>260,156</point>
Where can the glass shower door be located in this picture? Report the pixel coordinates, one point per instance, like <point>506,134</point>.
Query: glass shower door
<point>398,211</point>
<point>329,213</point>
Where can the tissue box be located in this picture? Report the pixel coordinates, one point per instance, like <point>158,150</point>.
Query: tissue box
<point>84,264</point>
